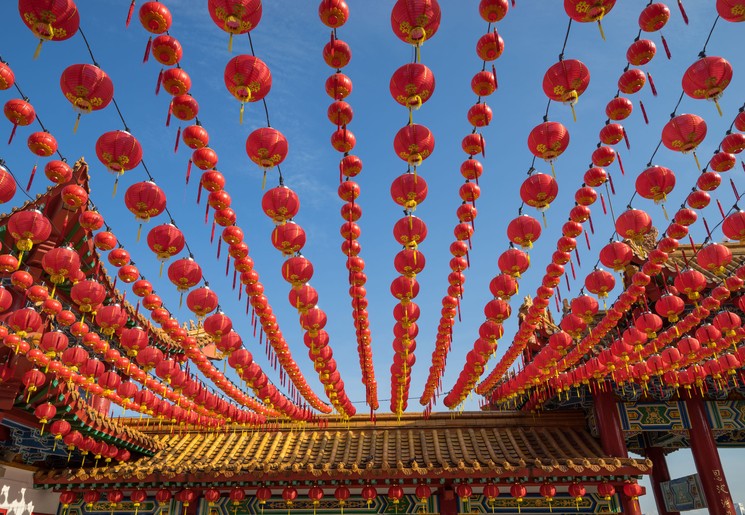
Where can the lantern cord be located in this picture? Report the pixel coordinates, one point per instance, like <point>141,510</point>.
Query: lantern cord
<point>703,50</point>
<point>566,38</point>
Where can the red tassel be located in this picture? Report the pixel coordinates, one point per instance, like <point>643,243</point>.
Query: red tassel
<point>719,205</point>
<point>129,13</point>
<point>147,49</point>
<point>227,266</point>
<point>610,182</point>
<point>188,175</point>
<point>12,133</point>
<point>667,48</point>
<point>494,72</point>
<point>483,145</point>
<point>706,225</point>
<point>206,213</point>
<point>587,240</point>
<point>644,112</point>
<point>247,299</point>
<point>31,179</point>
<point>576,253</point>
<point>219,246</point>
<point>235,276</point>
<point>693,245</point>
<point>683,11</point>
<point>592,227</point>
<point>569,288</point>
<point>620,163</point>
<point>574,275</point>
<point>602,202</point>
<point>626,139</point>
<point>159,82</point>
<point>732,183</point>
<point>168,118</point>
<point>556,298</point>
<point>651,84</point>
<point>178,138</point>
<point>212,233</point>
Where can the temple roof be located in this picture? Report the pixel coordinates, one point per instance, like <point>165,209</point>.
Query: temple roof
<point>473,445</point>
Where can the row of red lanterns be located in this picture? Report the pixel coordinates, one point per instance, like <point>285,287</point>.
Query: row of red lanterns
<point>489,48</point>
<point>166,49</point>
<point>411,86</point>
<point>691,282</point>
<point>633,224</point>
<point>336,53</point>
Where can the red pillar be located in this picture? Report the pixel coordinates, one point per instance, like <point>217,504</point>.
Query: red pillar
<point>611,436</point>
<point>609,423</point>
<point>447,500</point>
<point>706,458</point>
<point>660,474</point>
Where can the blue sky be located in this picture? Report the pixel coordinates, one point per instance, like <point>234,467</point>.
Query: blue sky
<point>289,39</point>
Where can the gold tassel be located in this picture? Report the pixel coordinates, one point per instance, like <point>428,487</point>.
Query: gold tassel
<point>230,42</point>
<point>263,181</point>
<point>553,171</point>
<point>139,232</point>
<point>602,32</point>
<point>698,165</point>
<point>242,109</point>
<point>77,123</point>
<point>719,108</point>
<point>664,211</point>
<point>38,49</point>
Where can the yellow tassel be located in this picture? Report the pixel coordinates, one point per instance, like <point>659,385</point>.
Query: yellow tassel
<point>116,185</point>
<point>230,43</point>
<point>664,211</point>
<point>77,123</point>
<point>698,165</point>
<point>38,49</point>
<point>553,171</point>
<point>602,33</point>
<point>545,223</point>
<point>574,113</point>
<point>139,232</point>
<point>54,289</point>
<point>242,108</point>
<point>418,53</point>
<point>160,273</point>
<point>263,181</point>
<point>719,108</point>
<point>411,116</point>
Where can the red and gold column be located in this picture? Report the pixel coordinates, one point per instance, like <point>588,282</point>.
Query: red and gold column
<point>660,474</point>
<point>706,458</point>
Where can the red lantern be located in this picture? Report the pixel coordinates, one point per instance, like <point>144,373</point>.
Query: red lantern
<point>266,147</point>
<point>87,87</point>
<point>175,81</point>
<point>235,16</point>
<point>565,81</point>
<point>653,17</point>
<point>733,143</point>
<point>414,143</point>
<point>87,295</point>
<point>202,301</point>
<point>42,144</point>
<point>58,171</point>
<point>155,17</point>
<point>731,10</point>
<point>539,190</point>
<point>640,52</point>
<point>655,183</point>
<point>669,307</point>
<point>524,230</point>
<point>684,133</point>
<point>248,79</point>
<point>631,81</point>
<point>167,50</point>
<point>518,492</point>
<point>619,108</point>
<point>333,13</point>
<point>18,112</point>
<point>166,241</point>
<point>288,238</point>
<point>145,200</point>
<point>734,226</point>
<point>707,79</point>
<point>600,282</point>
<point>28,228</point>
<point>60,263</point>
<point>7,185</point>
<point>289,494</point>
<point>691,283</point>
<point>184,108</point>
<point>714,258</point>
<point>415,21</point>
<point>412,85</point>
<point>185,274</point>
<point>369,493</point>
<point>490,46</point>
<point>606,491</point>
<point>338,86</point>
<point>633,224</point>
<point>7,77</point>
<point>616,255</point>
<point>513,262</point>
<point>337,53</point>
<point>548,140</point>
<point>410,231</point>
<point>55,20</point>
